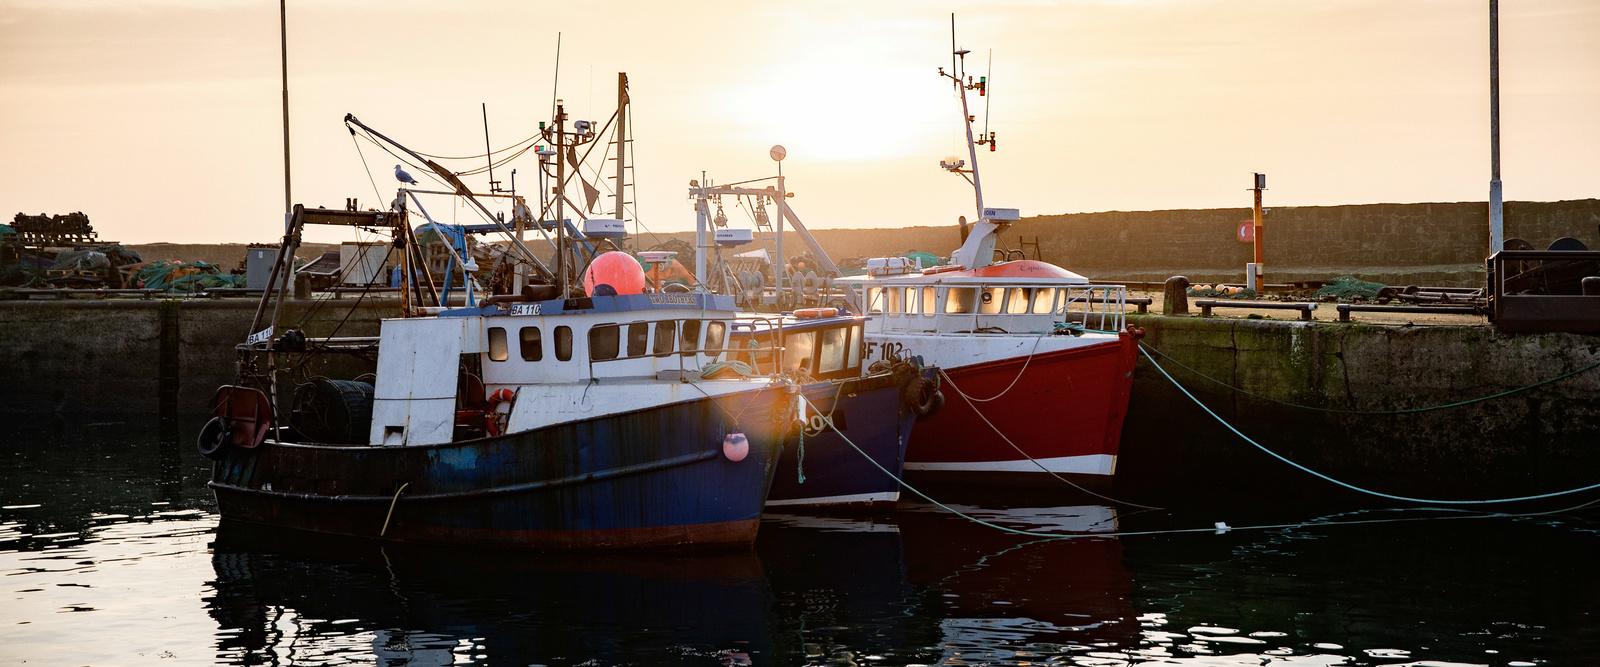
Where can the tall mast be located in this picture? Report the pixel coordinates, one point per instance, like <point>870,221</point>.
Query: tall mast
<point>283,42</point>
<point>561,196</point>
<point>622,140</point>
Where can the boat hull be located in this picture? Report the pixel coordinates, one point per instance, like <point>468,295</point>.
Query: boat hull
<point>656,477</point>
<point>869,412</point>
<point>1063,409</point>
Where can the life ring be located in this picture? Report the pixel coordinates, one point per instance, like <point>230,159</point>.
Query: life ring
<point>213,440</point>
<point>496,423</point>
<point>921,397</point>
<point>806,313</point>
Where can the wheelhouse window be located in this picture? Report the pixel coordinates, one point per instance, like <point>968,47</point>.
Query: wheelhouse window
<point>638,339</point>
<point>532,348</point>
<point>715,332</point>
<point>834,343</point>
<point>960,300</point>
<point>603,342</point>
<point>895,294</point>
<point>689,337</point>
<point>797,349</point>
<point>666,333</point>
<point>497,344</point>
<point>853,357</point>
<point>991,299</point>
<point>1017,300</point>
<point>928,301</point>
<point>874,299</point>
<point>563,343</point>
<point>1044,301</point>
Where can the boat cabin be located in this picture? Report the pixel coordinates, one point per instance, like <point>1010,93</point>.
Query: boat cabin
<point>825,348</point>
<point>1013,297</point>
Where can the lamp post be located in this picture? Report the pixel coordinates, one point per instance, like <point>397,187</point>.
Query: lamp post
<point>1254,273</point>
<point>1496,219</point>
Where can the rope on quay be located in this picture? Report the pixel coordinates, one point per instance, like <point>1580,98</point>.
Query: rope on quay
<point>1457,404</point>
<point>1352,487</point>
<point>1041,466</point>
<point>1467,514</point>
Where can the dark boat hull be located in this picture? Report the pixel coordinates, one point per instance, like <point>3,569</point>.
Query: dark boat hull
<point>650,478</point>
<point>868,411</point>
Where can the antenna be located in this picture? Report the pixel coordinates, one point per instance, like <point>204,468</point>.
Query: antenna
<point>953,45</point>
<point>984,91</point>
<point>489,152</point>
<point>555,83</point>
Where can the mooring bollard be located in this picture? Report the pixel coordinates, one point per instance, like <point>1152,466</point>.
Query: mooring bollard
<point>1591,285</point>
<point>1175,299</point>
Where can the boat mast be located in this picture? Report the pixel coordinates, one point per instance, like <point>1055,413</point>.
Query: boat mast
<point>978,249</point>
<point>561,196</point>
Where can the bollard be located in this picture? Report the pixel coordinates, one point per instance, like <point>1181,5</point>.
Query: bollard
<point>1175,298</point>
<point>302,286</point>
<point>1591,286</point>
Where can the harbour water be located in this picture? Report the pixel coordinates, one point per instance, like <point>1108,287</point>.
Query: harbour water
<point>112,554</point>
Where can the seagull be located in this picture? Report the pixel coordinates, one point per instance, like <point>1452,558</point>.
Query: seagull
<point>402,176</point>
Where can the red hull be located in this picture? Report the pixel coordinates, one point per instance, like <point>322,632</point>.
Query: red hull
<point>1064,411</point>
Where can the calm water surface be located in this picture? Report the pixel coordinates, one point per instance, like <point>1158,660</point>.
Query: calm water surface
<point>112,554</point>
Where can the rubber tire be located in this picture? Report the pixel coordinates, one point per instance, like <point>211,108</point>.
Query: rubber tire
<point>920,395</point>
<point>937,405</point>
<point>213,440</point>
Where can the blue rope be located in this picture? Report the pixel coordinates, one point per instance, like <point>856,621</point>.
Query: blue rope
<point>1352,487</point>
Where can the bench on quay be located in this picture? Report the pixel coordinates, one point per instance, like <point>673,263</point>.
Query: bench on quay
<point>1143,302</point>
<point>1346,308</point>
<point>1207,304</point>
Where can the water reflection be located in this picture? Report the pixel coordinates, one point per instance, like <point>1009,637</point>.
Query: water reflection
<point>112,554</point>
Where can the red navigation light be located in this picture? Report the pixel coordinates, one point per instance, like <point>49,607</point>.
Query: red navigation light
<point>983,86</point>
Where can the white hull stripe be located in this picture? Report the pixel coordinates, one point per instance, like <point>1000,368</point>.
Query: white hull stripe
<point>885,497</point>
<point>1092,464</point>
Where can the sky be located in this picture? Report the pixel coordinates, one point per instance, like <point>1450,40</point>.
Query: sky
<point>162,119</point>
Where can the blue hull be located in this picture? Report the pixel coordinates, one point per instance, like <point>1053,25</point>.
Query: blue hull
<point>653,477</point>
<point>870,413</point>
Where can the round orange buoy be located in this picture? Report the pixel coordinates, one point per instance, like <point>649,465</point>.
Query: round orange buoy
<point>735,446</point>
<point>617,270</point>
<point>816,312</point>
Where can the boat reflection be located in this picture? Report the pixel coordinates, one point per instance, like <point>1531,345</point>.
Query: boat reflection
<point>918,586</point>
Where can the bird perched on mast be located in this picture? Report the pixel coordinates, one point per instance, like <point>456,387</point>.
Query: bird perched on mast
<point>402,176</point>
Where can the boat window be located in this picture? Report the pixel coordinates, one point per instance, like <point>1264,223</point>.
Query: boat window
<point>603,342</point>
<point>797,349</point>
<point>714,333</point>
<point>834,341</point>
<point>874,299</point>
<point>689,336</point>
<point>854,359</point>
<point>638,339</point>
<point>1044,301</point>
<point>894,294</point>
<point>960,300</point>
<point>497,344</point>
<point>532,348</point>
<point>666,333</point>
<point>563,343</point>
<point>1017,300</point>
<point>991,299</point>
<point>928,301</point>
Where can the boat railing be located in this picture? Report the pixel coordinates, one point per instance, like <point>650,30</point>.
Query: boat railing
<point>995,308</point>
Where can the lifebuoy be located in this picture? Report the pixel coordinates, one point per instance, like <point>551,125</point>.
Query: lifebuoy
<point>921,397</point>
<point>805,313</point>
<point>496,423</point>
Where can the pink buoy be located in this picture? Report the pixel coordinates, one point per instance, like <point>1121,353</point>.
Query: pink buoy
<point>617,270</point>
<point>735,446</point>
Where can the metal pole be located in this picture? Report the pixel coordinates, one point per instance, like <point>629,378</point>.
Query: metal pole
<point>622,139</point>
<point>283,41</point>
<point>1496,215</point>
<point>1260,243</point>
<point>488,153</point>
<point>561,181</point>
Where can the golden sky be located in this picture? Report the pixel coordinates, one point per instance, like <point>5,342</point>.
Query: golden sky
<point>161,118</point>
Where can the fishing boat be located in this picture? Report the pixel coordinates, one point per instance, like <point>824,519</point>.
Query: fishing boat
<point>546,419</point>
<point>1037,360</point>
<point>851,441</point>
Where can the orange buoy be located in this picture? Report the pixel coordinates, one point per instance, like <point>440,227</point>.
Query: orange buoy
<point>816,312</point>
<point>617,271</point>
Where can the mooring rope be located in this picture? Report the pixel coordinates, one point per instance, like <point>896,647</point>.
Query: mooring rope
<point>1025,455</point>
<point>1173,531</point>
<point>1367,412</point>
<point>1352,487</point>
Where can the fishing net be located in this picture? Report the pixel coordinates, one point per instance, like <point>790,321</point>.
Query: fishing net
<point>1347,287</point>
<point>181,277</point>
<point>1223,292</point>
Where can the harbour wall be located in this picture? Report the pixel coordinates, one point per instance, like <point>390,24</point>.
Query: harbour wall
<point>1438,244</point>
<point>1543,439</point>
<point>72,359</point>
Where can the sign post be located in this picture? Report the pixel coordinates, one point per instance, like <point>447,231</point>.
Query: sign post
<point>1254,277</point>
